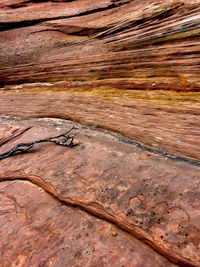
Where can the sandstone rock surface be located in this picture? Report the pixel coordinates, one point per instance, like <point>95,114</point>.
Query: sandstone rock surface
<point>164,128</point>
<point>153,198</point>
<point>128,72</point>
<point>147,44</point>
<point>38,230</point>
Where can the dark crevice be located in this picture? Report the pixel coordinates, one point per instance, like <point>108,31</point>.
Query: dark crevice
<point>14,136</point>
<point>175,40</point>
<point>163,153</point>
<point>159,41</point>
<point>5,26</point>
<point>125,140</point>
<point>142,21</point>
<point>26,3</point>
<point>148,149</point>
<point>17,6</point>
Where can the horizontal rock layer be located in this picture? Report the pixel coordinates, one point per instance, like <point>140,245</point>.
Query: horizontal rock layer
<point>154,199</point>
<point>130,67</point>
<point>163,128</point>
<point>149,43</point>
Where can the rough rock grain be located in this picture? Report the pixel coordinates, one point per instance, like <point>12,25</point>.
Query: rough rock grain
<point>130,67</point>
<point>150,44</point>
<point>37,230</point>
<point>155,199</point>
<point>169,128</point>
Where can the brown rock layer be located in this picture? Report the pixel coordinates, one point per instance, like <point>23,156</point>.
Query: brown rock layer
<point>155,199</point>
<point>148,44</point>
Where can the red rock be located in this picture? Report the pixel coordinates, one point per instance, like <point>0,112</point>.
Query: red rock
<point>166,128</point>
<point>38,230</point>
<point>147,44</point>
<point>130,67</point>
<point>154,199</point>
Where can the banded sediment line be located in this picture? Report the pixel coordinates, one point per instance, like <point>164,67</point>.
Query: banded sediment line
<point>128,72</point>
<point>148,44</point>
<point>167,127</point>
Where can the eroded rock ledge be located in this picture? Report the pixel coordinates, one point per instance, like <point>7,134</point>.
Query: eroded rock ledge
<point>166,127</point>
<point>154,199</point>
<point>149,44</point>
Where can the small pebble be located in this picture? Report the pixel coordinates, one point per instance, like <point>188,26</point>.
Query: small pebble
<point>114,233</point>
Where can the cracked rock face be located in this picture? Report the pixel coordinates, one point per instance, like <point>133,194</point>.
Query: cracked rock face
<point>37,230</point>
<point>152,197</point>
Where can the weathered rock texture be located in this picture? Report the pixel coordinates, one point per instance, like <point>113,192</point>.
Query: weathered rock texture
<point>164,128</point>
<point>144,44</point>
<point>100,64</point>
<point>155,199</point>
<point>37,230</point>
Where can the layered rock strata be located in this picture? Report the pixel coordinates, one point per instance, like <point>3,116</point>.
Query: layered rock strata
<point>161,128</point>
<point>148,44</point>
<point>121,67</point>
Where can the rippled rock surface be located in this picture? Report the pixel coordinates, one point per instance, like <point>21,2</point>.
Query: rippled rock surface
<point>127,74</point>
<point>135,44</point>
